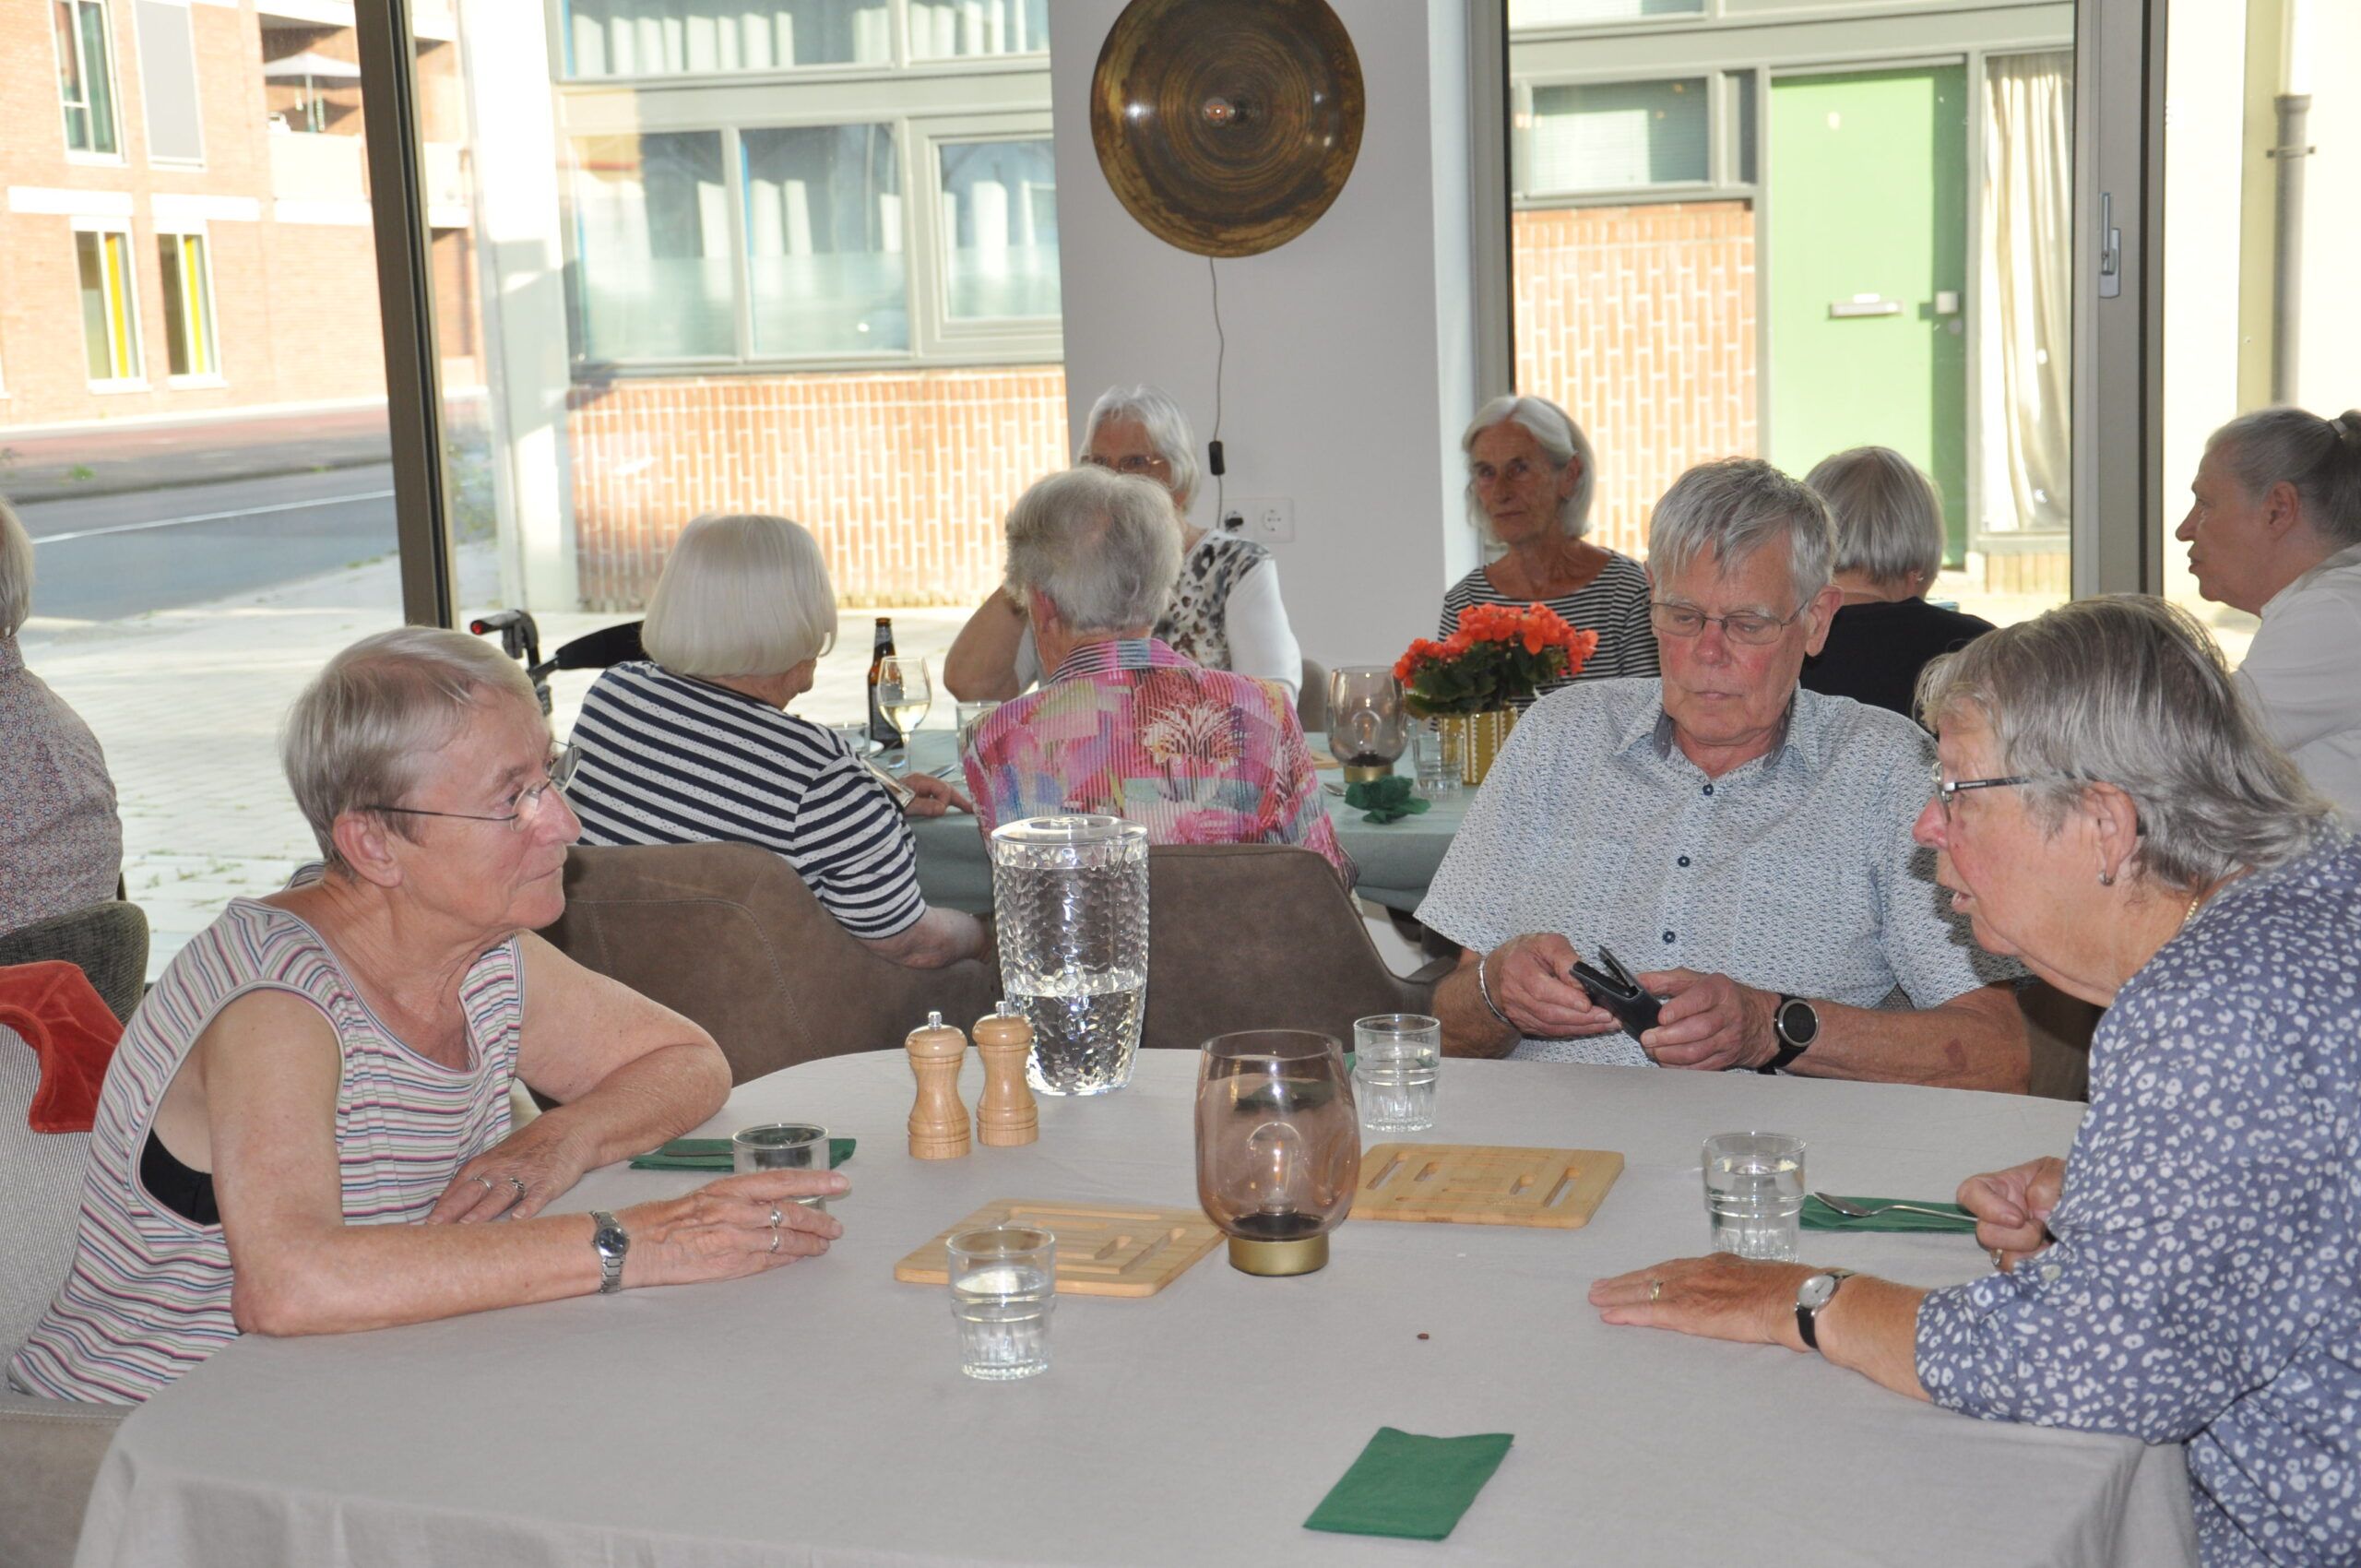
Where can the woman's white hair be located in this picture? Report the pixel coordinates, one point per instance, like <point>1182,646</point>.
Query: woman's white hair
<point>1099,546</point>
<point>1734,507</point>
<point>1560,440</point>
<point>1889,519</point>
<point>363,733</point>
<point>1153,410</point>
<point>745,593</point>
<point>15,572</point>
<point>2321,458</point>
<point>2150,708</point>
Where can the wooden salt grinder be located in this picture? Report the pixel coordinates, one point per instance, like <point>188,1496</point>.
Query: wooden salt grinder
<point>1007,1115</point>
<point>938,1119</point>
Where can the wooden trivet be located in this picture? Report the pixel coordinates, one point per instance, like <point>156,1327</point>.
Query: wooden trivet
<point>1484,1185</point>
<point>1103,1249</point>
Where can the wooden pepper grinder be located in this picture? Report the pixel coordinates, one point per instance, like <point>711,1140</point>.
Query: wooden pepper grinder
<point>937,1121</point>
<point>1007,1116</point>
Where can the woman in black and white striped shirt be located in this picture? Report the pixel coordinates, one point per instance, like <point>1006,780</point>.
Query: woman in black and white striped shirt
<point>1530,478</point>
<point>694,743</point>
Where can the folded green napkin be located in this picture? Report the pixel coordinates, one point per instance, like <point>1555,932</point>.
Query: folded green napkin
<point>1385,800</point>
<point>712,1153</point>
<point>1818,1215</point>
<point>1410,1486</point>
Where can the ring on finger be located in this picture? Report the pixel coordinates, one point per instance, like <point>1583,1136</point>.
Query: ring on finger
<point>520,1185</point>
<point>776,1217</point>
<point>2000,1260</point>
<point>486,1181</point>
<point>774,1247</point>
<point>1655,1291</point>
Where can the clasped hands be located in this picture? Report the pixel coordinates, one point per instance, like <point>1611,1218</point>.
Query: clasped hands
<point>1709,1022</point>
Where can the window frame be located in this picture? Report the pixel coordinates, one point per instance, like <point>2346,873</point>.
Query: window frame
<point>197,94</point>
<point>137,381</point>
<point>1014,339</point>
<point>184,231</point>
<point>1722,114</point>
<point>105,8</point>
<point>901,64</point>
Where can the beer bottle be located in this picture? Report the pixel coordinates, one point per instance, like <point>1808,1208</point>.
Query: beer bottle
<point>881,727</point>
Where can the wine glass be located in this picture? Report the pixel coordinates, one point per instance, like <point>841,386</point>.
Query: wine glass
<point>905,692</point>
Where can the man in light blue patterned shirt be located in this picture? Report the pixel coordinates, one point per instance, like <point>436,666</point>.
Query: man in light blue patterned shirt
<point>1743,845</point>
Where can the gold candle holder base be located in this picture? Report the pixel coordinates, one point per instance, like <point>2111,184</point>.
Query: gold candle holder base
<point>1367,774</point>
<point>1275,1260</point>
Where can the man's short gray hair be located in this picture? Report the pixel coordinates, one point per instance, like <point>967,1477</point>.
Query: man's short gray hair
<point>745,593</point>
<point>1734,507</point>
<point>1889,519</point>
<point>364,732</point>
<point>1104,547</point>
<point>2321,458</point>
<point>15,572</point>
<point>2130,691</point>
<point>1560,440</point>
<point>1153,410</point>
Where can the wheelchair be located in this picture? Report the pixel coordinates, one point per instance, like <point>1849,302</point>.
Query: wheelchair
<point>520,638</point>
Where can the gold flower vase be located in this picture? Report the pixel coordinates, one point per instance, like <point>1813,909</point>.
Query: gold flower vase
<point>1481,736</point>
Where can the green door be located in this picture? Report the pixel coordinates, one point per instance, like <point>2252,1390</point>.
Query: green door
<point>1868,259</point>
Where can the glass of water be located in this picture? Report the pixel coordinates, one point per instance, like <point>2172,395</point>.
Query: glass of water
<point>1396,1059</point>
<point>782,1146</point>
<point>1003,1288</point>
<point>969,715</point>
<point>1437,747</point>
<point>1754,1194</point>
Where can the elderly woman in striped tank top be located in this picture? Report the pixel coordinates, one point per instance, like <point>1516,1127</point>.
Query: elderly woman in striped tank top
<point>306,1127</point>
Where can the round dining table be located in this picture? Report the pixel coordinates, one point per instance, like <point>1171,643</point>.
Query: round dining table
<point>815,1415</point>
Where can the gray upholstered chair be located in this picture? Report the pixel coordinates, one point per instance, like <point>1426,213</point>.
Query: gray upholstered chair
<point>1252,936</point>
<point>107,942</point>
<point>1311,697</point>
<point>50,1449</point>
<point>729,936</point>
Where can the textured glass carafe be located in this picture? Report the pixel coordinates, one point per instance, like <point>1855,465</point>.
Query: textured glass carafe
<point>1070,901</point>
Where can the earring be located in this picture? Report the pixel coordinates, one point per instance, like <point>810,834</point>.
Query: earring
<point>2107,879</point>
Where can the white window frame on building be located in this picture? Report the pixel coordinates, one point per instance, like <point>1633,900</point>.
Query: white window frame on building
<point>566,41</point>
<point>125,347</point>
<point>207,372</point>
<point>167,37</point>
<point>71,41</point>
<point>1731,96</point>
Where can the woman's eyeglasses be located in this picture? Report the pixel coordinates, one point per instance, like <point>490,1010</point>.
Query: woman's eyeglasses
<point>1134,464</point>
<point>525,803</point>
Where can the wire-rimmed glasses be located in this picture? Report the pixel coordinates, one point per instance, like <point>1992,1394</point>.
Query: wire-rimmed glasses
<point>1753,628</point>
<point>526,801</point>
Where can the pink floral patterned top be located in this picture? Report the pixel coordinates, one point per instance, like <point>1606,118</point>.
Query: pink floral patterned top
<point>1132,729</point>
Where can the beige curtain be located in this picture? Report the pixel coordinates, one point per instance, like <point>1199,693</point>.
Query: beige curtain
<point>2028,306</point>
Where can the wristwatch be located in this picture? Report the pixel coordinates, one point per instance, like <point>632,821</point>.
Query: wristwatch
<point>613,1241</point>
<point>1812,1296</point>
<point>1796,1024</point>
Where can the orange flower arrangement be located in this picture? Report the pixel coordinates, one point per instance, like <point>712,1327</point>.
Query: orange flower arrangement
<point>1497,656</point>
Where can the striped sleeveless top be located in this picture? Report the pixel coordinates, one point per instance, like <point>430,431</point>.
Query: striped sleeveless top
<point>148,1294</point>
<point>1614,604</point>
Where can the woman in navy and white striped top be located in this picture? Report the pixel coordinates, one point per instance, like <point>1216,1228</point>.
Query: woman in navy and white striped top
<point>695,745</point>
<point>1530,477</point>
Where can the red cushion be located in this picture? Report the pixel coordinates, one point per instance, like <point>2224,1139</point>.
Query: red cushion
<point>73,1033</point>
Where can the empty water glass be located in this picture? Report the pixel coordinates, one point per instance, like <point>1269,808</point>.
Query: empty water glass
<point>1754,1194</point>
<point>1436,746</point>
<point>1003,1288</point>
<point>782,1146</point>
<point>1396,1059</point>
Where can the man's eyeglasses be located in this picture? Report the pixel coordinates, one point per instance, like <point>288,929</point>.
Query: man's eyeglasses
<point>1676,619</point>
<point>1134,464</point>
<point>526,802</point>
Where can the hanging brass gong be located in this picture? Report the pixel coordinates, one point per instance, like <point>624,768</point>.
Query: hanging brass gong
<point>1227,127</point>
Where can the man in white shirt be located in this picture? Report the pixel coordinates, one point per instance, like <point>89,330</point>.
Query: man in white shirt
<point>2276,531</point>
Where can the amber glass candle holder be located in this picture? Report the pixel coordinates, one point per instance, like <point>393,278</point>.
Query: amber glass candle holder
<point>1278,1145</point>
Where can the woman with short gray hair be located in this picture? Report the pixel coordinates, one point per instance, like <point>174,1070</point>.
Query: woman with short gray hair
<point>1530,480</point>
<point>2275,530</point>
<point>1223,611</point>
<point>1126,724</point>
<point>694,744</point>
<point>61,843</point>
<point>2184,1274</point>
<point>1889,546</point>
<point>305,1129</point>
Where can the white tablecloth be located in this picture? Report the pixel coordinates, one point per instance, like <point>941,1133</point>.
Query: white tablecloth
<point>815,1415</point>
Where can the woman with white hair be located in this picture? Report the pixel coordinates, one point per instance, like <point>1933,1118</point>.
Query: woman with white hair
<point>2109,812</point>
<point>1530,480</point>
<point>694,742</point>
<point>1888,547</point>
<point>307,1125</point>
<point>1224,613</point>
<point>2276,531</point>
<point>61,843</point>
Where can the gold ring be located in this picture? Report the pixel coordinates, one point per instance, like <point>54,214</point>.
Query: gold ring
<point>1655,1291</point>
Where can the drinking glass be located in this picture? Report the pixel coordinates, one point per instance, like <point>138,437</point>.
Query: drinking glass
<point>782,1146</point>
<point>1396,1059</point>
<point>905,692</point>
<point>1437,745</point>
<point>1754,1194</point>
<point>969,715</point>
<point>1069,905</point>
<point>1003,1288</point>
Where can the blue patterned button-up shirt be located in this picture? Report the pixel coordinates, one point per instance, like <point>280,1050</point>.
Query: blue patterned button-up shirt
<point>2205,1286</point>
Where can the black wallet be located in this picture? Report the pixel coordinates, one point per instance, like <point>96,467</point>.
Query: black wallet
<point>1614,990</point>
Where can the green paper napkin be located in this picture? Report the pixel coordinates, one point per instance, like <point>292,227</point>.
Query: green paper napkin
<point>712,1153</point>
<point>1818,1215</point>
<point>1409,1486</point>
<point>1385,800</point>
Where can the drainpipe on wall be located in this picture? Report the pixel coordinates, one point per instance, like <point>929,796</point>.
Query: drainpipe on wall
<point>2294,104</point>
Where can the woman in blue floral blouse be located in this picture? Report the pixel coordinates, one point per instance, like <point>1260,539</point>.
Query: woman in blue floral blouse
<point>2189,1272</point>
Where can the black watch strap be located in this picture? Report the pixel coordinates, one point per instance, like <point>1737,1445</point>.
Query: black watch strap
<point>1808,1318</point>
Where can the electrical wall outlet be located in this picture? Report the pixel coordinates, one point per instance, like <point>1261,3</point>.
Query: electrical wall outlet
<point>1265,519</point>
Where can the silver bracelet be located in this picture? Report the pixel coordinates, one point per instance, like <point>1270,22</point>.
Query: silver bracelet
<point>1484,989</point>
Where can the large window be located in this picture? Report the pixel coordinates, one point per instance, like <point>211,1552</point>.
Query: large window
<point>189,305</point>
<point>110,306</point>
<point>652,244</point>
<point>1000,222</point>
<point>86,77</point>
<point>824,239</point>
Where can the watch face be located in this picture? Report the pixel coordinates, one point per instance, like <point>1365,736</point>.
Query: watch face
<point>611,1240</point>
<point>1814,1292</point>
<point>1798,1022</point>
